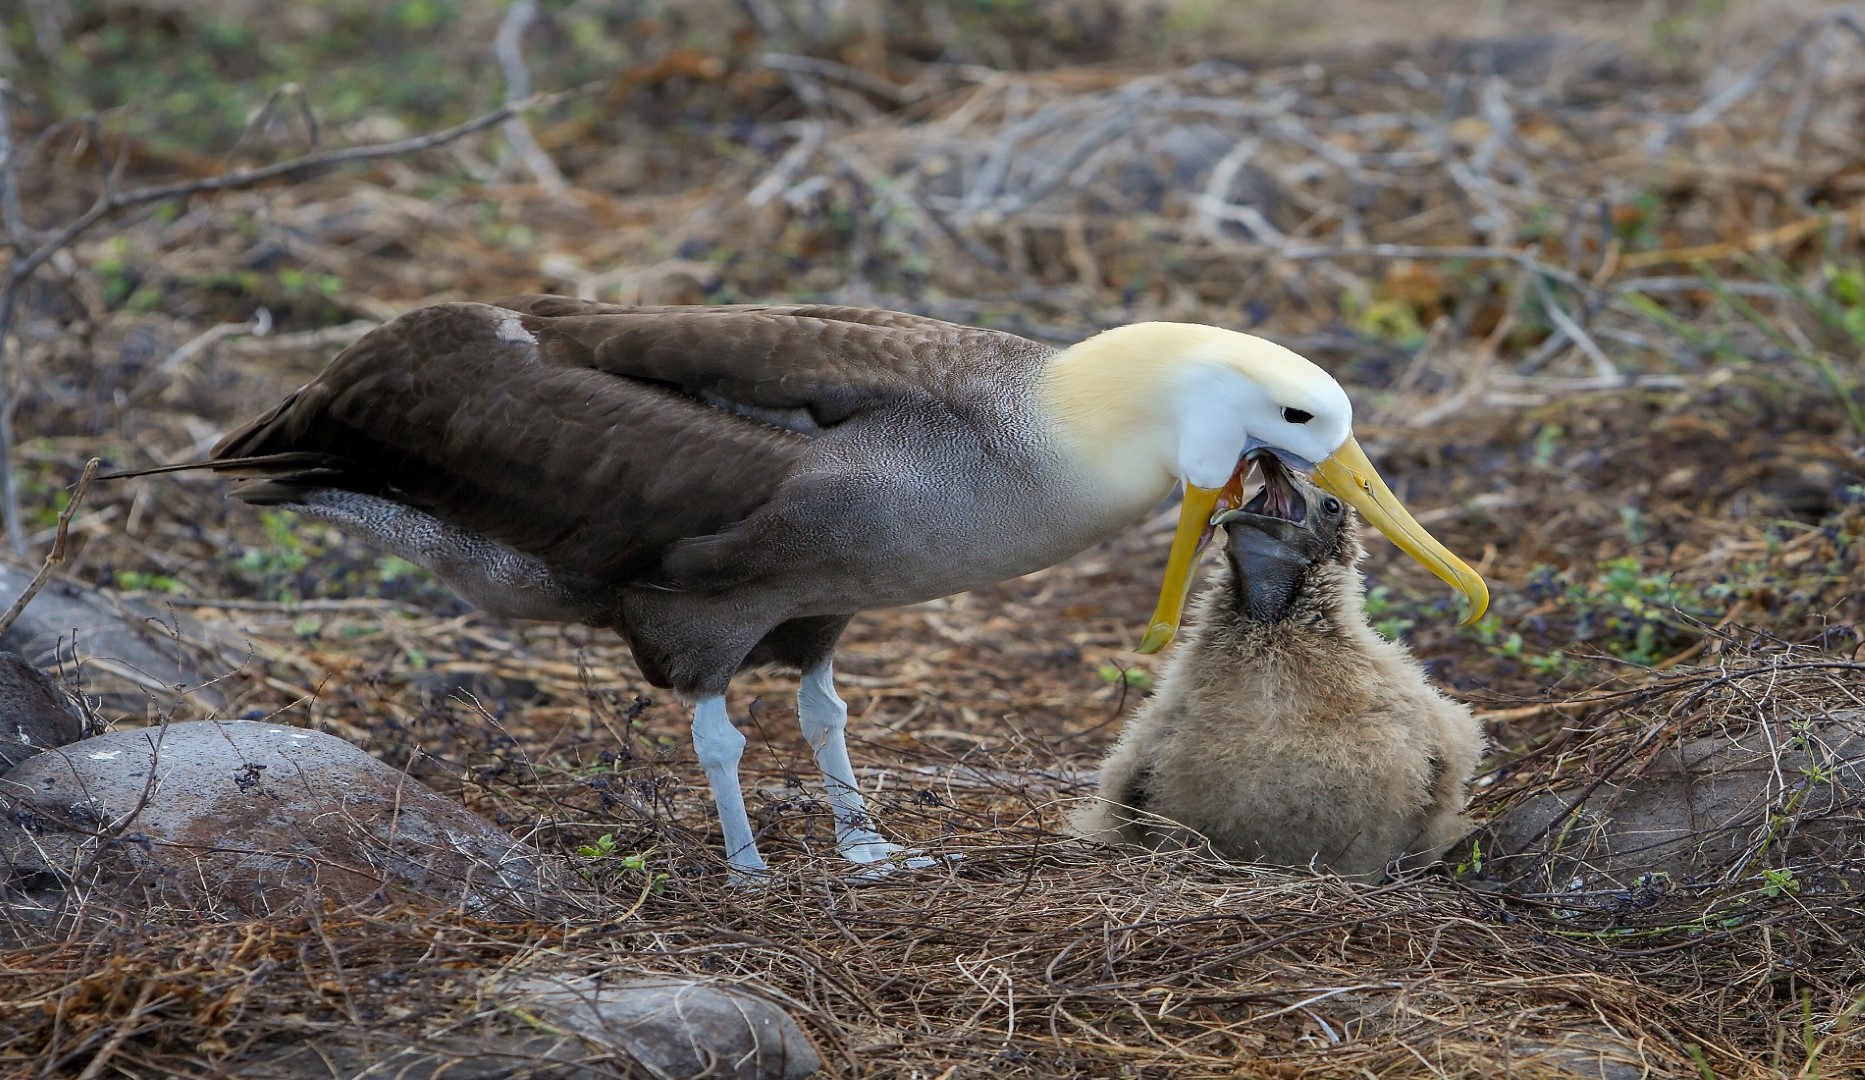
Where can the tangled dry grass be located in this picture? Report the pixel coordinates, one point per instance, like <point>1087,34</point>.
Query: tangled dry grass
<point>1039,956</point>
<point>1593,309</point>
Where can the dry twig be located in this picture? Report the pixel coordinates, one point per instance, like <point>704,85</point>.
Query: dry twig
<point>55,557</point>
<point>113,201</point>
<point>508,47</point>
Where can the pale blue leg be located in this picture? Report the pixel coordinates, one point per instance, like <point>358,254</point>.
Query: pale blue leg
<point>719,745</point>
<point>824,718</point>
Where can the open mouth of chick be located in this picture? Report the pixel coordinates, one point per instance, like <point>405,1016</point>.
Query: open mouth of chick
<point>1278,497</point>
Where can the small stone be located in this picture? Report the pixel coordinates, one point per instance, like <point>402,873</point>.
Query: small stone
<point>134,656</point>
<point>35,714</point>
<point>677,1028</point>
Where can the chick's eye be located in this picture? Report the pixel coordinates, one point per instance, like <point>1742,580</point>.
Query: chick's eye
<point>1331,505</point>
<point>1297,416</point>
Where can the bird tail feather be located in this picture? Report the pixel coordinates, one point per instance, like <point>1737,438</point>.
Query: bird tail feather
<point>293,464</point>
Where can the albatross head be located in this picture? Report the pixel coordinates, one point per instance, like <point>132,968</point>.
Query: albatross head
<point>1220,398</point>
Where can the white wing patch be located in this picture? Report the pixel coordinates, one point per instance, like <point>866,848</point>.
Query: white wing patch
<point>510,329</point>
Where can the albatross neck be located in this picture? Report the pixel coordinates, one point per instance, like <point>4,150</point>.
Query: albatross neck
<point>1113,405</point>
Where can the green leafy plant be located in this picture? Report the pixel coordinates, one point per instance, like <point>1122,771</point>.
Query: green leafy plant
<point>1547,443</point>
<point>271,568</point>
<point>145,581</point>
<point>1636,614</point>
<point>1817,360</point>
<point>1845,289</point>
<point>1389,319</point>
<point>1812,328</point>
<point>1472,863</point>
<point>606,857</point>
<point>1511,646</point>
<point>1385,614</point>
<point>1138,678</point>
<point>1636,221</point>
<point>358,56</point>
<point>602,848</point>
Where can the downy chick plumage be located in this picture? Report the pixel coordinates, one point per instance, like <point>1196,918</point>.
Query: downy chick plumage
<point>1285,729</point>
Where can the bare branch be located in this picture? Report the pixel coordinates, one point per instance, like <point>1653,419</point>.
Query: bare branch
<point>296,167</point>
<point>305,340</point>
<point>770,18</point>
<point>829,69</point>
<point>9,483</point>
<point>313,135</point>
<point>11,218</point>
<point>508,48</point>
<point>778,180</point>
<point>114,199</point>
<point>1426,251</point>
<point>48,28</point>
<point>258,326</point>
<point>1576,333</point>
<point>55,557</point>
<point>1745,84</point>
<point>1214,205</point>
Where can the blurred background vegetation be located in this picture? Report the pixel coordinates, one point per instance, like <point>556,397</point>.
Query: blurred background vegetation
<point>1549,245</point>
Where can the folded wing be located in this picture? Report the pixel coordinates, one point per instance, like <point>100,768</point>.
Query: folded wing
<point>596,436</point>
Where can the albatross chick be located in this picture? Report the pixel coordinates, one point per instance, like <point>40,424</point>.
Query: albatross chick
<point>1285,730</point>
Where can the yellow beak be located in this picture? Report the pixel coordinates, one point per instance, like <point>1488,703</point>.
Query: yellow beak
<point>1194,530</point>
<point>1348,474</point>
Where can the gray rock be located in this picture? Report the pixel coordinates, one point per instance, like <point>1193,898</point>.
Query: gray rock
<point>130,652</point>
<point>488,1056</point>
<point>1592,1053</point>
<point>677,1028</point>
<point>1701,810</point>
<point>251,818</point>
<point>1584,1056</point>
<point>35,713</point>
<point>660,1027</point>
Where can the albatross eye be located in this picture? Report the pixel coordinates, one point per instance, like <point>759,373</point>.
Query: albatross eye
<point>1331,505</point>
<point>1297,416</point>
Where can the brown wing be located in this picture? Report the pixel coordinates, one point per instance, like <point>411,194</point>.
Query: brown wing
<point>593,436</point>
<point>829,361</point>
<point>552,306</point>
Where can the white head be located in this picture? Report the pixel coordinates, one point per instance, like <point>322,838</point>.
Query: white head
<point>1234,394</point>
<point>1179,401</point>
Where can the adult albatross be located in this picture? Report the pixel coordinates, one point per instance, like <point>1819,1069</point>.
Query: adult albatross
<point>727,486</point>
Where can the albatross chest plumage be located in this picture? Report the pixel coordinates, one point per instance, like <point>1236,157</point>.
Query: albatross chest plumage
<point>728,485</point>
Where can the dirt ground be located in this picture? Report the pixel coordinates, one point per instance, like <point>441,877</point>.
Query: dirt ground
<point>1591,273</point>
